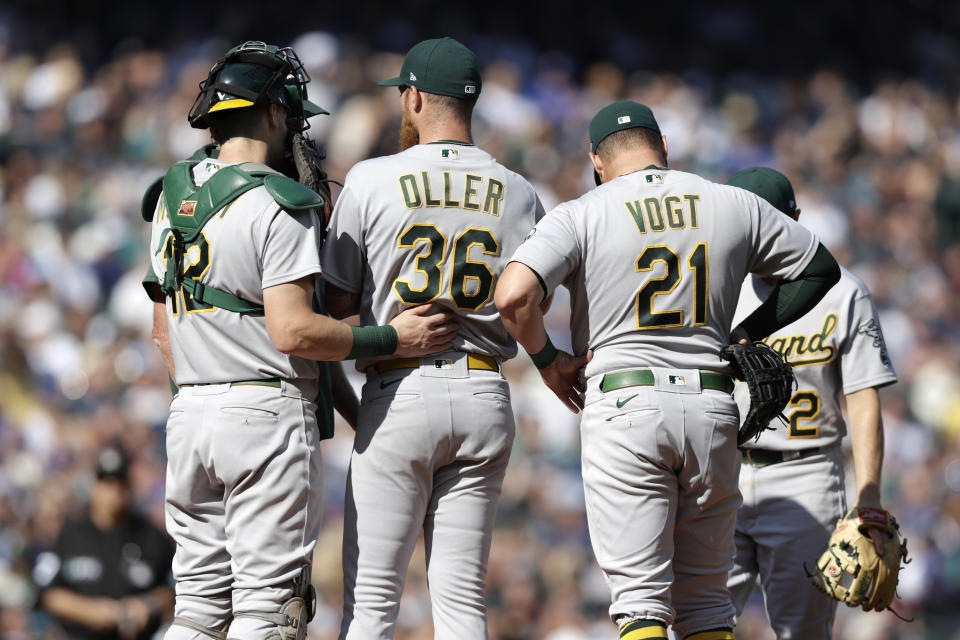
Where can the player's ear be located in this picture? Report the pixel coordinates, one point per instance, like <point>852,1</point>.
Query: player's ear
<point>276,115</point>
<point>416,99</point>
<point>597,163</point>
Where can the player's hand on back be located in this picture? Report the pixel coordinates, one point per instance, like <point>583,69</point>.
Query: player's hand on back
<point>423,330</point>
<point>565,378</point>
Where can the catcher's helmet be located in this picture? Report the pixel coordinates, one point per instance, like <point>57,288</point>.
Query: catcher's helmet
<point>255,74</point>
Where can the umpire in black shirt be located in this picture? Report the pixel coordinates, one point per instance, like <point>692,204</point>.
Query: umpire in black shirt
<point>108,576</point>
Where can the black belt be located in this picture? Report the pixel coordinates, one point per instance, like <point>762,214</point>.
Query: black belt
<point>764,457</point>
<point>265,382</point>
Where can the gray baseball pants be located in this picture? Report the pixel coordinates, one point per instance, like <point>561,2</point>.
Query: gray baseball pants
<point>243,502</point>
<point>789,511</point>
<point>430,454</point>
<point>660,482</point>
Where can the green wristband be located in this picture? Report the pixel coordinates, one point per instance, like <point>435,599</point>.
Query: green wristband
<point>369,342</point>
<point>545,357</point>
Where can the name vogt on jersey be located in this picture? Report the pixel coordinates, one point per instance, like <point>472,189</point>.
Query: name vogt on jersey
<point>670,211</point>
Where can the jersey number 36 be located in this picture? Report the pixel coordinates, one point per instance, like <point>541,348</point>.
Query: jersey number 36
<point>470,281</point>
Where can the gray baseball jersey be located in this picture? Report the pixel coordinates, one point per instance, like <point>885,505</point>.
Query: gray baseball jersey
<point>435,223</point>
<point>654,261</point>
<point>791,507</point>
<point>239,455</point>
<point>836,349</point>
<point>657,250</point>
<point>213,345</point>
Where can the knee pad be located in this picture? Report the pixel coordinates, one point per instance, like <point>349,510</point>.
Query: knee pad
<point>291,620</point>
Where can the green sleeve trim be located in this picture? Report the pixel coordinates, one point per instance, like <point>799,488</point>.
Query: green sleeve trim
<point>370,342</point>
<point>545,357</point>
<point>290,194</point>
<point>790,300</point>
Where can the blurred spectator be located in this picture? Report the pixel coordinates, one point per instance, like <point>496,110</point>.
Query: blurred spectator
<point>108,575</point>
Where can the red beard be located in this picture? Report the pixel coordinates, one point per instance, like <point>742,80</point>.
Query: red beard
<point>409,136</point>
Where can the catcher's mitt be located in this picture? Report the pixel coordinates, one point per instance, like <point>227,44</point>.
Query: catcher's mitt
<point>851,571</point>
<point>308,161</point>
<point>769,378</point>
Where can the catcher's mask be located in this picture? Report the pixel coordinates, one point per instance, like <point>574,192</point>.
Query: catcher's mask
<point>256,74</point>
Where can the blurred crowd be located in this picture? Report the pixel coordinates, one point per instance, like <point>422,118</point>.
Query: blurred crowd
<point>877,174</point>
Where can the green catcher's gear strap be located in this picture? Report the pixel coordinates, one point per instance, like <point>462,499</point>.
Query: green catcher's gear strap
<point>190,208</point>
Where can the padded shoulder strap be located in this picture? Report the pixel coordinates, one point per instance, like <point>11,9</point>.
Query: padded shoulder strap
<point>148,205</point>
<point>178,187</point>
<point>290,194</point>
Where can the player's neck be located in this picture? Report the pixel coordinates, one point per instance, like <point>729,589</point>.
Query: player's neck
<point>240,149</point>
<point>446,132</point>
<point>631,161</point>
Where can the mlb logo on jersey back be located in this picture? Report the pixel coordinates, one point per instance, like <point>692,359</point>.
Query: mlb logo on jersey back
<point>654,178</point>
<point>187,208</point>
<point>450,154</point>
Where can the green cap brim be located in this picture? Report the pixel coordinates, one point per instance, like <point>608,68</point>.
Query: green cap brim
<point>394,82</point>
<point>310,109</point>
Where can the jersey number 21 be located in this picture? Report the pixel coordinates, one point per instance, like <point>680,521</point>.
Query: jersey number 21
<point>647,318</point>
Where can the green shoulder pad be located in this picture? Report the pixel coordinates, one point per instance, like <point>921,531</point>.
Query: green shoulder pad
<point>150,198</point>
<point>290,194</point>
<point>190,207</point>
<point>177,187</point>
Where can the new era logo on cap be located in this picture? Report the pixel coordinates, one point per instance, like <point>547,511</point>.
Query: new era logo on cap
<point>413,77</point>
<point>623,119</point>
<point>470,88</point>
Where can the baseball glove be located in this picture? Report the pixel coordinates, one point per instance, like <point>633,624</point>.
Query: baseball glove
<point>770,380</point>
<point>851,571</point>
<point>308,161</point>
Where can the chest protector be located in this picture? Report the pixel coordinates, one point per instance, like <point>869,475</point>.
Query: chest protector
<point>189,207</point>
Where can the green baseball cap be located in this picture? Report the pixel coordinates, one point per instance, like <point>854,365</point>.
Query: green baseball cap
<point>442,66</point>
<point>619,116</point>
<point>769,184</point>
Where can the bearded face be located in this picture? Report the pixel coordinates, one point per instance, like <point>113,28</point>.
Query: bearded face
<point>409,136</point>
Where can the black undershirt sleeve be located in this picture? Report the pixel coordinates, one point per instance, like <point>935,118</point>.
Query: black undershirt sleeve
<point>791,299</point>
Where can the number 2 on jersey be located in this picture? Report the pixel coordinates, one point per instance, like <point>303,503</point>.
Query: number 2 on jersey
<point>808,408</point>
<point>430,263</point>
<point>199,263</point>
<point>647,318</point>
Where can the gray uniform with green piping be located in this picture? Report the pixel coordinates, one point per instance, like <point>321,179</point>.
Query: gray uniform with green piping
<point>792,477</point>
<point>435,223</point>
<point>654,260</point>
<point>243,497</point>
